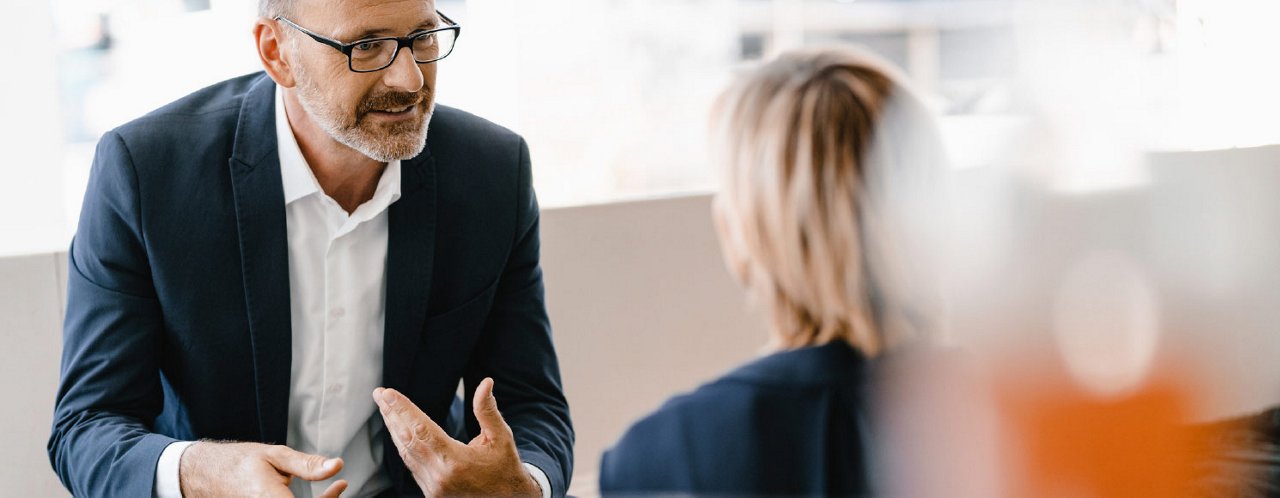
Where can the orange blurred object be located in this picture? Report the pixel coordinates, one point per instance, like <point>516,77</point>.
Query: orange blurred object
<point>1063,440</point>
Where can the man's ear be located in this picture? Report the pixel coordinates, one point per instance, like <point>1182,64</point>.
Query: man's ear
<point>270,50</point>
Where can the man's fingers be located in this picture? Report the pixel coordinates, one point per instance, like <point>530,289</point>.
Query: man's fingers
<point>335,489</point>
<point>408,426</point>
<point>485,406</point>
<point>302,465</point>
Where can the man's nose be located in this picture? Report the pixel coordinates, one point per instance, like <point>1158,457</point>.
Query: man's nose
<point>403,73</point>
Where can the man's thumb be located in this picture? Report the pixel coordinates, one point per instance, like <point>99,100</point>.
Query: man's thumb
<point>485,406</point>
<point>303,465</point>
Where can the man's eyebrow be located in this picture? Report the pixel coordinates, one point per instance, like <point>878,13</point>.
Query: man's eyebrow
<point>383,32</point>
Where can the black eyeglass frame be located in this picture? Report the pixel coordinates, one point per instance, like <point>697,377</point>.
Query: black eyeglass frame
<point>401,42</point>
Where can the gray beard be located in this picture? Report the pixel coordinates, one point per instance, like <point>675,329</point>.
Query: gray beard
<point>394,145</point>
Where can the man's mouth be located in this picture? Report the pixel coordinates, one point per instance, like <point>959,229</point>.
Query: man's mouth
<point>394,112</point>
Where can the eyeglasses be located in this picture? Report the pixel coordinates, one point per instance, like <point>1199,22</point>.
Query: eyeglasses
<point>376,54</point>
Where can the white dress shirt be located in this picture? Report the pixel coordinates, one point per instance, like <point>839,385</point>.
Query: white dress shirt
<point>337,285</point>
<point>337,302</point>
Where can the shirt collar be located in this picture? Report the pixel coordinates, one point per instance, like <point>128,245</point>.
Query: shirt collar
<point>298,179</point>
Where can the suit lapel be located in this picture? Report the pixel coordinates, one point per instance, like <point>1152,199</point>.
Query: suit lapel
<point>410,255</point>
<point>264,255</point>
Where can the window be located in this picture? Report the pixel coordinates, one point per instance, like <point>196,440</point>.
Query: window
<point>612,96</point>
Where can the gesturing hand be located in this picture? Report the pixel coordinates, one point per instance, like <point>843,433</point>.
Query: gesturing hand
<point>252,469</point>
<point>488,465</point>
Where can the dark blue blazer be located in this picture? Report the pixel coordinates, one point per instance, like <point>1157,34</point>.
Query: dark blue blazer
<point>792,423</point>
<point>178,321</point>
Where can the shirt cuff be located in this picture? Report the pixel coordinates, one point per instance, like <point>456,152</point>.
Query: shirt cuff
<point>538,475</point>
<point>167,484</point>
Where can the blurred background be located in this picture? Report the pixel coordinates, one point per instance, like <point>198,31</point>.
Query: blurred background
<point>641,73</point>
<point>1110,201</point>
<point>1168,74</point>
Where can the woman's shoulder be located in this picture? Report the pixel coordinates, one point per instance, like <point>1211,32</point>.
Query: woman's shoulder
<point>783,374</point>
<point>654,453</point>
<point>691,435</point>
<point>836,363</point>
<point>676,423</point>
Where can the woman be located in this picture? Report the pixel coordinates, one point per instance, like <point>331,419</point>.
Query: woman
<point>826,159</point>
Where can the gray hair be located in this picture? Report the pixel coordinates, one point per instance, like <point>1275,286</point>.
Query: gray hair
<point>271,8</point>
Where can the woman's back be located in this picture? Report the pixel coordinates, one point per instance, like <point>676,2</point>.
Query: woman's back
<point>791,423</point>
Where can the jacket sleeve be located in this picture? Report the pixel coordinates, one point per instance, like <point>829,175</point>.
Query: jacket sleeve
<point>515,348</point>
<point>109,392</point>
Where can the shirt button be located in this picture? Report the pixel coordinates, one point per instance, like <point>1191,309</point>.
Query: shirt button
<point>335,388</point>
<point>337,313</point>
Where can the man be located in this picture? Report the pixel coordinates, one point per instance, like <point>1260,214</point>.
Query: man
<point>255,259</point>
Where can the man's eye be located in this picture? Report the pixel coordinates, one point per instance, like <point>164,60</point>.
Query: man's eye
<point>366,46</point>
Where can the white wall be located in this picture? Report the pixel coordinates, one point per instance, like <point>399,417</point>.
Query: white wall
<point>31,297</point>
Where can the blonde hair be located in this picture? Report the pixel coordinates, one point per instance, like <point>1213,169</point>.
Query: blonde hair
<point>813,151</point>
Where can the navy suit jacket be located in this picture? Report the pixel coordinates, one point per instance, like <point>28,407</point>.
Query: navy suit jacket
<point>792,423</point>
<point>178,317</point>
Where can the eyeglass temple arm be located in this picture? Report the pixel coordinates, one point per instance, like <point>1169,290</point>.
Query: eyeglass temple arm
<point>314,36</point>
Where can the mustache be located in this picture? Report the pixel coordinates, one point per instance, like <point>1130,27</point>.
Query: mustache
<point>393,100</point>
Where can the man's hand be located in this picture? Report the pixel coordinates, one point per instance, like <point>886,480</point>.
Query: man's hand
<point>488,465</point>
<point>252,469</point>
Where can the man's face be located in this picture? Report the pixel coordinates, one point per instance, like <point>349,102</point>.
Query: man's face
<point>382,114</point>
